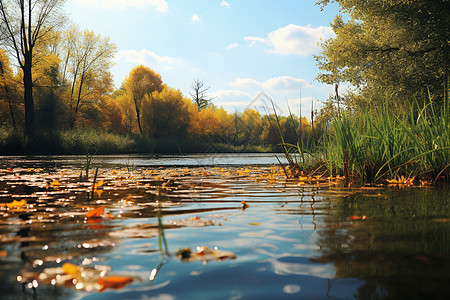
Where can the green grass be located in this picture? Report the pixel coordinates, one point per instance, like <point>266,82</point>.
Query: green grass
<point>64,142</point>
<point>380,145</point>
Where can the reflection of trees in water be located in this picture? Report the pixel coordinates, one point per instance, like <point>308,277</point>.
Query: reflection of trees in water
<point>402,250</point>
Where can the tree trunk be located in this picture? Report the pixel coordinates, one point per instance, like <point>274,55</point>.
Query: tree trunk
<point>28,95</point>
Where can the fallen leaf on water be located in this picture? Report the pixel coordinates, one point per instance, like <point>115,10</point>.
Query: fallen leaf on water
<point>255,224</point>
<point>56,183</point>
<point>95,213</point>
<point>72,270</point>
<point>192,222</point>
<point>354,218</point>
<point>113,282</point>
<point>443,220</point>
<point>244,205</point>
<point>204,254</point>
<point>16,204</point>
<point>99,192</point>
<point>401,180</point>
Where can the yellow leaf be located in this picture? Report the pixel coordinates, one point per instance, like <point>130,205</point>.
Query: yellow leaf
<point>99,192</point>
<point>100,183</point>
<point>16,204</point>
<point>72,270</point>
<point>56,183</point>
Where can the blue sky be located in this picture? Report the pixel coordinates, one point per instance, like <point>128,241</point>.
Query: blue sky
<point>238,47</point>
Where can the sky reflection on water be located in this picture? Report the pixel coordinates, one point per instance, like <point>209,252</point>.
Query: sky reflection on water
<point>292,242</point>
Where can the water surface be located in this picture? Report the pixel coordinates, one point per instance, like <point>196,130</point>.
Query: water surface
<point>289,241</point>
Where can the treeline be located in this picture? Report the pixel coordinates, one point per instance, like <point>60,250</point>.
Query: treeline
<point>74,96</point>
<point>57,96</point>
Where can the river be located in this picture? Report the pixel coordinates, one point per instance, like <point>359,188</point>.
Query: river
<point>213,227</point>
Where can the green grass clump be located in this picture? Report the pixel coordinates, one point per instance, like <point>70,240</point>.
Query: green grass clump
<point>64,142</point>
<point>82,142</point>
<point>380,145</point>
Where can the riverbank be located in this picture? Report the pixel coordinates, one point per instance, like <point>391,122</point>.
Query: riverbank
<point>83,142</point>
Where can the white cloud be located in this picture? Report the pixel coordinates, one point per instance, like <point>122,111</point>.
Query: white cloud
<point>196,18</point>
<point>280,84</point>
<point>293,39</point>
<point>145,57</point>
<point>160,5</point>
<point>232,100</point>
<point>232,46</point>
<point>246,93</point>
<point>254,40</point>
<point>225,4</point>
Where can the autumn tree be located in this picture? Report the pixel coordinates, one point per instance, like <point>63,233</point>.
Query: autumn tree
<point>86,60</point>
<point>251,126</point>
<point>165,114</point>
<point>8,92</point>
<point>142,82</point>
<point>25,24</point>
<point>394,48</point>
<point>199,94</point>
<point>204,124</point>
<point>47,92</point>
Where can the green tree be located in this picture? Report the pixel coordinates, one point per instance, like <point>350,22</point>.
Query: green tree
<point>24,25</point>
<point>394,48</point>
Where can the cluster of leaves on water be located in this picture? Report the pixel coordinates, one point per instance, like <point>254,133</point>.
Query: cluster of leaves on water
<point>57,224</point>
<point>34,201</point>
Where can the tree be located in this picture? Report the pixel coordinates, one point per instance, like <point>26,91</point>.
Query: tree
<point>86,58</point>
<point>142,82</point>
<point>165,114</point>
<point>7,91</point>
<point>252,126</point>
<point>24,25</point>
<point>394,48</point>
<point>198,94</point>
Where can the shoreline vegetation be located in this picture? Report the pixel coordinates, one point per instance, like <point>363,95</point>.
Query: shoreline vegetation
<point>380,146</point>
<point>91,142</point>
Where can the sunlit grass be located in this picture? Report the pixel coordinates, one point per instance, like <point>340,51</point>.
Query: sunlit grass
<point>380,146</point>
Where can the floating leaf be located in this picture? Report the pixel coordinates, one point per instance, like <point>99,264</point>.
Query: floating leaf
<point>16,204</point>
<point>192,222</point>
<point>401,180</point>
<point>244,205</point>
<point>95,213</point>
<point>56,183</point>
<point>204,254</point>
<point>72,270</point>
<point>113,282</point>
<point>355,218</point>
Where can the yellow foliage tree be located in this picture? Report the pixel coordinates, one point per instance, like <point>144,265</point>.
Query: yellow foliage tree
<point>8,92</point>
<point>142,82</point>
<point>165,113</point>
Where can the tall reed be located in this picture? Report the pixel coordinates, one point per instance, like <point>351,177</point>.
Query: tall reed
<point>379,145</point>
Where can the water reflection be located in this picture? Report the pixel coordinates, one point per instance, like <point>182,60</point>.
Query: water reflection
<point>293,241</point>
<point>142,160</point>
<point>402,250</point>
